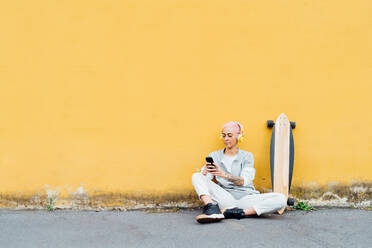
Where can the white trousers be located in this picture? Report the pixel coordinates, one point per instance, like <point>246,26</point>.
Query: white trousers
<point>261,203</point>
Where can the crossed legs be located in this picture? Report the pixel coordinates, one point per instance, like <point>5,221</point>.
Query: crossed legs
<point>209,192</point>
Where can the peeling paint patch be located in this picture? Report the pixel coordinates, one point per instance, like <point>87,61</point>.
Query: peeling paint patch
<point>358,195</point>
<point>359,189</point>
<point>80,190</point>
<point>98,201</point>
<point>355,195</point>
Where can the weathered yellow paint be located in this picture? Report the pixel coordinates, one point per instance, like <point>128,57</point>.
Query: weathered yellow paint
<point>120,96</point>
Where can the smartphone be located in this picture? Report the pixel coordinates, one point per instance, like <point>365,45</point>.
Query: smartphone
<point>210,160</point>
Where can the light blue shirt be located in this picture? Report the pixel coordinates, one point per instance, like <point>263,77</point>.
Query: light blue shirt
<point>242,166</point>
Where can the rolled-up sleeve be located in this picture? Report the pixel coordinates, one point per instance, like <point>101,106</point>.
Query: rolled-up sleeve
<point>248,171</point>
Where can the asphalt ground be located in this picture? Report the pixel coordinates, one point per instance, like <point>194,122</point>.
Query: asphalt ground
<point>70,228</point>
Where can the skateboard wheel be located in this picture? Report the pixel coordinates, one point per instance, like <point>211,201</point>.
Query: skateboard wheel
<point>293,124</point>
<point>290,202</point>
<point>270,123</point>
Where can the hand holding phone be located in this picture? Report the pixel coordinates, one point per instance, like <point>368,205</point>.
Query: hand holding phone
<point>210,163</point>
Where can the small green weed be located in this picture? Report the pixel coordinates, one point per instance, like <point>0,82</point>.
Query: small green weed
<point>50,204</point>
<point>304,206</point>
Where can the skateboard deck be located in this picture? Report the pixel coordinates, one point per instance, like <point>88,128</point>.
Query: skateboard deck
<point>282,156</point>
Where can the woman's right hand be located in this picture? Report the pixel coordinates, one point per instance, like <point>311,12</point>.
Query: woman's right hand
<point>205,168</point>
<point>205,172</point>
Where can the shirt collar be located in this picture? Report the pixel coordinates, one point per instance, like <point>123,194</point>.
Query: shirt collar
<point>238,155</point>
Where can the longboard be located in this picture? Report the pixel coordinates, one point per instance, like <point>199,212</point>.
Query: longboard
<point>282,156</point>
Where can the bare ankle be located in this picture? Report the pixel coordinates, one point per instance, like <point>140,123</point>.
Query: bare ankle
<point>249,211</point>
<point>206,199</point>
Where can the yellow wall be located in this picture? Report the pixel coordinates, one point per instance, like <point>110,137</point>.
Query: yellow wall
<point>131,95</point>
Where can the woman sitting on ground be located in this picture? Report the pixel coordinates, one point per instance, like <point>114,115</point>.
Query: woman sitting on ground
<point>234,192</point>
